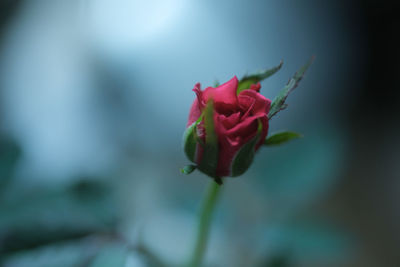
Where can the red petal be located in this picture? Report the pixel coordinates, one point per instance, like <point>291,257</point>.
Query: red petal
<point>194,114</point>
<point>261,105</point>
<point>246,103</point>
<point>197,106</point>
<point>199,94</point>
<point>229,121</point>
<point>256,87</point>
<point>224,96</point>
<point>245,128</point>
<point>230,141</point>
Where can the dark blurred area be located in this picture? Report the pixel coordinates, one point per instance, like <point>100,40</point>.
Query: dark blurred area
<point>368,195</point>
<point>94,98</point>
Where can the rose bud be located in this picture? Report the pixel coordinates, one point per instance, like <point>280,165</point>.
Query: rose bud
<point>228,124</point>
<point>226,127</point>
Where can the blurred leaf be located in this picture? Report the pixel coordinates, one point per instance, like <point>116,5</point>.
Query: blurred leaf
<point>87,190</point>
<point>38,216</point>
<point>278,103</point>
<point>10,153</point>
<point>312,165</point>
<point>281,138</point>
<point>118,254</point>
<point>152,260</point>
<point>279,260</point>
<point>188,169</point>
<point>309,240</point>
<point>247,81</point>
<point>75,253</point>
<point>114,255</point>
<point>92,251</point>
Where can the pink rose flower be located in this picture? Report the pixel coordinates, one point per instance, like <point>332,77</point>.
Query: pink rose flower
<point>240,123</point>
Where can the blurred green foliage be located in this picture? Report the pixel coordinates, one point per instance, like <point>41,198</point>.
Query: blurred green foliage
<point>38,216</point>
<point>76,224</point>
<point>61,225</point>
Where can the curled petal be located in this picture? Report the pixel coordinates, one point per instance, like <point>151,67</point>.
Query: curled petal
<point>194,114</point>
<point>199,94</point>
<point>261,105</point>
<point>230,141</point>
<point>197,106</point>
<point>224,96</point>
<point>245,128</point>
<point>246,104</point>
<point>229,121</point>
<point>256,87</point>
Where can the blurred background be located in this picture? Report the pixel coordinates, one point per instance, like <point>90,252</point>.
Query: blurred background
<point>94,98</point>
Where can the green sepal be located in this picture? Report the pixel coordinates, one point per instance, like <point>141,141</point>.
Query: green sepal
<point>190,140</point>
<point>218,180</point>
<point>281,138</point>
<point>278,103</point>
<point>248,80</point>
<point>209,161</point>
<point>245,155</point>
<point>188,169</point>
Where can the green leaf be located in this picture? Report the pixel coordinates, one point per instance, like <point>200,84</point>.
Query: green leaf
<point>245,156</point>
<point>209,160</point>
<point>281,138</point>
<point>190,140</point>
<point>247,81</point>
<point>278,103</point>
<point>188,169</point>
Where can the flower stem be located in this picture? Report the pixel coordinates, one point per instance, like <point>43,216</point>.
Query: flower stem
<point>203,229</point>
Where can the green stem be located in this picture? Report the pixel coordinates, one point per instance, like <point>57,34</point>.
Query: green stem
<point>203,229</point>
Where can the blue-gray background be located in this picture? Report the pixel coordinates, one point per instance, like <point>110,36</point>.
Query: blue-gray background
<point>94,98</point>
